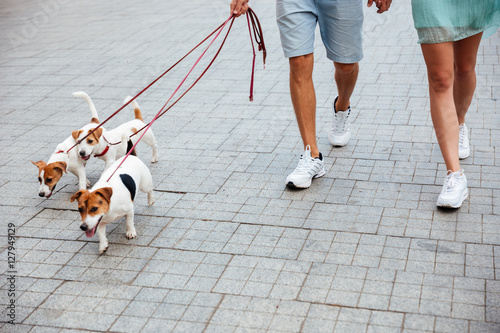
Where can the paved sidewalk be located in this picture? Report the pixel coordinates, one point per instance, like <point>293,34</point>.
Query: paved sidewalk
<point>226,247</point>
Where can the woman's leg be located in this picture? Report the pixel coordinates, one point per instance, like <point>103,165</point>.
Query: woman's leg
<point>440,71</point>
<point>465,55</point>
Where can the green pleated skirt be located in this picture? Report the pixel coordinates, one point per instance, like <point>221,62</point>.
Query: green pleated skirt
<point>439,21</point>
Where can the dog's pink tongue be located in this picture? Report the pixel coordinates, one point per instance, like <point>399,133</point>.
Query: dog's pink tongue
<point>90,233</point>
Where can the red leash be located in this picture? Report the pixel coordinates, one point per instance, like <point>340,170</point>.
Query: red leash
<point>257,33</point>
<point>257,30</point>
<point>259,38</point>
<point>161,112</point>
<point>146,88</point>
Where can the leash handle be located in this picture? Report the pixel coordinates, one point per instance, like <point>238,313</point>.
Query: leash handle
<point>259,36</point>
<point>178,87</point>
<point>254,24</point>
<point>253,59</point>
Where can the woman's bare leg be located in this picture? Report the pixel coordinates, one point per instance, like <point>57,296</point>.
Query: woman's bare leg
<point>439,59</point>
<point>465,55</point>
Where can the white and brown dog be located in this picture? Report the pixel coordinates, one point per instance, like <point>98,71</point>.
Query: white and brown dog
<point>62,161</point>
<point>102,143</point>
<point>109,201</point>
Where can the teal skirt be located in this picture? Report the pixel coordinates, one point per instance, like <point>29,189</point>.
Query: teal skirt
<point>439,21</point>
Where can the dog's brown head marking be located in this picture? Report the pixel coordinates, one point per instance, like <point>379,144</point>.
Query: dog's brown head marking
<point>82,198</point>
<point>93,203</point>
<point>93,139</point>
<point>51,172</point>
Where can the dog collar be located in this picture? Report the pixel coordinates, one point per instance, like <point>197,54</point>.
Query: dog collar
<point>104,152</point>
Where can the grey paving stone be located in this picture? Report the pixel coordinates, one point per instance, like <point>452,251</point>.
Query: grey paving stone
<point>226,247</point>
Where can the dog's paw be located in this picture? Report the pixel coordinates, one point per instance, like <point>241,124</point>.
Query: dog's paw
<point>151,199</point>
<point>154,159</point>
<point>131,234</point>
<point>88,183</point>
<point>103,249</point>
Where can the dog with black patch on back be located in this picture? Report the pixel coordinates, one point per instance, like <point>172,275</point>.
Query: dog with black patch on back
<point>110,200</point>
<point>102,143</point>
<point>61,161</point>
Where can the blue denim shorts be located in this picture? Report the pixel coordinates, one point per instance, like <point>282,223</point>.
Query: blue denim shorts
<point>340,23</point>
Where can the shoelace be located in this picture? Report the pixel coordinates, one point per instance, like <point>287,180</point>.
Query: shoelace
<point>462,139</point>
<point>304,164</point>
<point>341,123</point>
<point>451,182</point>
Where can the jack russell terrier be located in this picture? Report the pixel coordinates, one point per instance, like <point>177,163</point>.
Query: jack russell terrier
<point>109,201</point>
<point>102,143</point>
<point>62,161</point>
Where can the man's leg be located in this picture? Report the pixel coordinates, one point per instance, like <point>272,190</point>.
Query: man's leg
<point>304,103</point>
<point>341,23</point>
<point>304,99</point>
<point>346,76</point>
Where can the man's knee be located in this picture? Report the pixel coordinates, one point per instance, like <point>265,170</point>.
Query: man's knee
<point>301,66</point>
<point>346,69</point>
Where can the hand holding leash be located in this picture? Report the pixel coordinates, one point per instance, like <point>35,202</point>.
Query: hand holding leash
<point>239,7</point>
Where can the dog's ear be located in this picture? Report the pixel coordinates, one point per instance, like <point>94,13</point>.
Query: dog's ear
<point>94,120</point>
<point>106,193</point>
<point>77,195</point>
<point>61,166</point>
<point>76,134</point>
<point>39,164</point>
<point>97,132</point>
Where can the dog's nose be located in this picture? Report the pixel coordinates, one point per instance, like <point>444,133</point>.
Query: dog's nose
<point>41,194</point>
<point>82,153</point>
<point>84,226</point>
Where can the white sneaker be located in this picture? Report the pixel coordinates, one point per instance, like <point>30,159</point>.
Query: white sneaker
<point>454,190</point>
<point>340,133</point>
<point>307,169</point>
<point>463,142</point>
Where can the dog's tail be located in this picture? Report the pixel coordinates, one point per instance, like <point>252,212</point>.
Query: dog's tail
<point>93,111</point>
<point>137,110</point>
<point>130,144</point>
<point>125,145</point>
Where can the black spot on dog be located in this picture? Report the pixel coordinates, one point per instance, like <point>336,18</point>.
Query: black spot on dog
<point>129,146</point>
<point>129,184</point>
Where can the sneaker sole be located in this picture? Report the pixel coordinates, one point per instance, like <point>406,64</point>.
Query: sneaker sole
<point>464,157</point>
<point>306,184</point>
<point>451,205</point>
<point>339,144</point>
